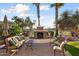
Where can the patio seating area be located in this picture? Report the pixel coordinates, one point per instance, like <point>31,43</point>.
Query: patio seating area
<point>35,47</point>
<point>39,48</point>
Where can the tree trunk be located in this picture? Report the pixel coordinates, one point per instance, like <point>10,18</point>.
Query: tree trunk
<point>38,14</point>
<point>22,29</point>
<point>56,18</point>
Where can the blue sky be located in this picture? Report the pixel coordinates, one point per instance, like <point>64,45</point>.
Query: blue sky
<point>47,15</point>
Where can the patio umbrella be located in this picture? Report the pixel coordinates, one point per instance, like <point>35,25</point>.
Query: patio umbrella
<point>5,26</point>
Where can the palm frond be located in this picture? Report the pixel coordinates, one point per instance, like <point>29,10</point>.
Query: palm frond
<point>52,5</point>
<point>36,4</point>
<point>59,4</point>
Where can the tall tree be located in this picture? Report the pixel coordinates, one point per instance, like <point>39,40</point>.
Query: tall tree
<point>38,11</point>
<point>75,18</point>
<point>1,28</point>
<point>19,21</point>
<point>65,21</point>
<point>56,5</point>
<point>28,22</point>
<point>5,26</point>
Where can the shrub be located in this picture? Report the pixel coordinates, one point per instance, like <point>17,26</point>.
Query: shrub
<point>14,30</point>
<point>0,31</point>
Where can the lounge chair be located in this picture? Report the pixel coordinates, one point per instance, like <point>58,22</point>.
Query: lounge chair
<point>12,43</point>
<point>59,48</point>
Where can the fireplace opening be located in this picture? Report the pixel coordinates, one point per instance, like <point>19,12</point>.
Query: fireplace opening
<point>40,35</point>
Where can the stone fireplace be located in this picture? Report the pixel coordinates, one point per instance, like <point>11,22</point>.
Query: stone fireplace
<point>41,33</point>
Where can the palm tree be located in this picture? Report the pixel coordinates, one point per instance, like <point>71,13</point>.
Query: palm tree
<point>56,5</point>
<point>38,12</point>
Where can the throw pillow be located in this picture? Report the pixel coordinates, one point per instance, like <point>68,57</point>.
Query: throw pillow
<point>12,42</point>
<point>19,39</point>
<point>15,40</point>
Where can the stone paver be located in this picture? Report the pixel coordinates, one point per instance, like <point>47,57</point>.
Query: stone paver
<point>40,48</point>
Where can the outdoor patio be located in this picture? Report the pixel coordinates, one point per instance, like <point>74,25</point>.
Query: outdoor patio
<point>39,49</point>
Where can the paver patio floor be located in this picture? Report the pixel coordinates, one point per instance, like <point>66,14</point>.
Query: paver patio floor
<point>39,49</point>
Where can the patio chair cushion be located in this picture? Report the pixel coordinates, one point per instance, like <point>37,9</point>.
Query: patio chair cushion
<point>12,42</point>
<point>62,45</point>
<point>19,43</point>
<point>22,37</point>
<point>15,39</point>
<point>56,48</point>
<point>60,48</point>
<point>18,38</point>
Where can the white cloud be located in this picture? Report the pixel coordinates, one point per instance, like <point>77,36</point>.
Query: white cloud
<point>1,19</point>
<point>11,6</point>
<point>6,11</point>
<point>3,10</point>
<point>21,7</point>
<point>52,24</point>
<point>44,7</point>
<point>23,15</point>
